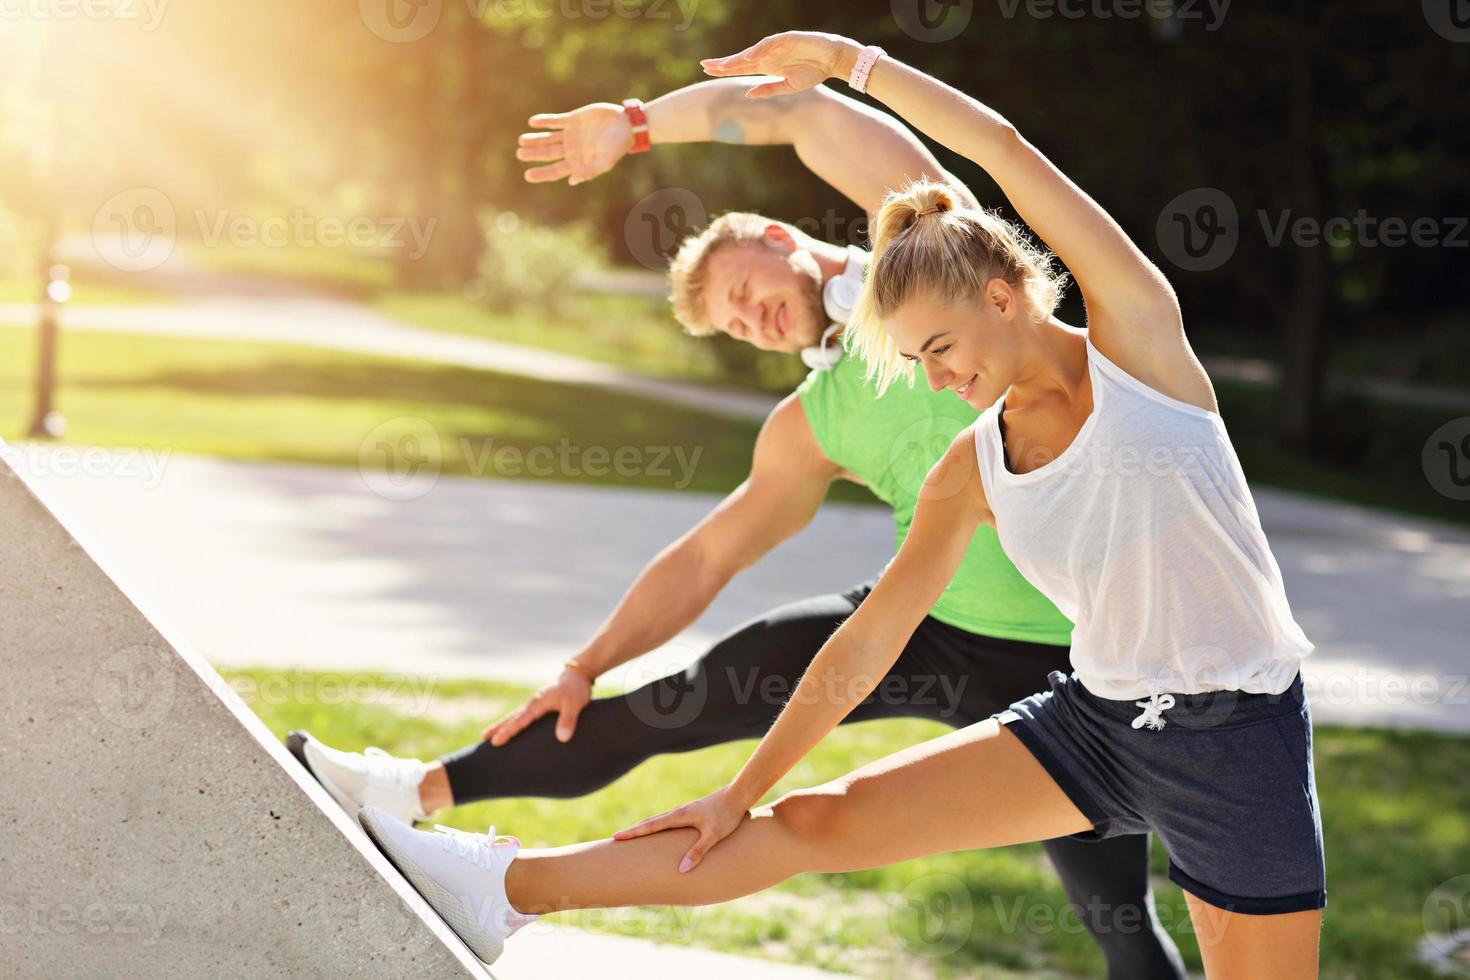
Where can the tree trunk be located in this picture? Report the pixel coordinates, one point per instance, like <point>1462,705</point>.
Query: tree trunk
<point>1306,341</point>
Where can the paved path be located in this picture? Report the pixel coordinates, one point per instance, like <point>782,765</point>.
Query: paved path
<point>539,953</point>
<point>287,565</point>
<point>339,325</point>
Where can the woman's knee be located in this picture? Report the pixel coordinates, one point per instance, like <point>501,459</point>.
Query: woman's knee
<point>816,817</point>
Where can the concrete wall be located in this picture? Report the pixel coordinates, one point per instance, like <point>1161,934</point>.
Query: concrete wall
<point>150,826</point>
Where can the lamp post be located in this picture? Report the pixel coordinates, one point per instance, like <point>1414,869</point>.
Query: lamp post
<point>47,423</point>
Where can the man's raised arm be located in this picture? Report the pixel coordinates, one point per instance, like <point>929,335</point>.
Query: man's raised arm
<point>860,151</point>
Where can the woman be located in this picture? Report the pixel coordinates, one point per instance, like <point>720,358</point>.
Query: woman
<point>1108,474</point>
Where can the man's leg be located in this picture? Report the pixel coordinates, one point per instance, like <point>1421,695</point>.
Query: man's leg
<point>734,691</point>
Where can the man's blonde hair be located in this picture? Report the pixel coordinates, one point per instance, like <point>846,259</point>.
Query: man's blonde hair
<point>929,241</point>
<point>689,271</point>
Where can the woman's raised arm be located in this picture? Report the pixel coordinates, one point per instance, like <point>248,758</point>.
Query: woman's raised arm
<point>1133,313</point>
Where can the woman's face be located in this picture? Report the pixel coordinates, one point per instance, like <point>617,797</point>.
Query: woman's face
<point>971,347</point>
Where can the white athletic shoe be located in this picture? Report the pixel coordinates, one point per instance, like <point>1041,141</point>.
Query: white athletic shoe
<point>359,779</point>
<point>460,874</point>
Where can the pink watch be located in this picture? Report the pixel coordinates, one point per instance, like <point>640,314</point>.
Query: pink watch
<point>863,67</point>
<point>634,110</point>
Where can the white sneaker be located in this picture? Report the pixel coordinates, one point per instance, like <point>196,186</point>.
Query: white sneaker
<point>359,779</point>
<point>460,874</point>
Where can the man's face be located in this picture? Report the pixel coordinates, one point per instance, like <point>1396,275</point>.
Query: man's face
<point>767,293</point>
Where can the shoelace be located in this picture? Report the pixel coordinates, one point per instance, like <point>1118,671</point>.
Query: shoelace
<point>476,848</point>
<point>1153,711</point>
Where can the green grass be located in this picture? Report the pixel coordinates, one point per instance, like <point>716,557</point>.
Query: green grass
<point>345,269</point>
<point>1397,825</point>
<point>295,404</point>
<point>276,402</point>
<point>637,333</point>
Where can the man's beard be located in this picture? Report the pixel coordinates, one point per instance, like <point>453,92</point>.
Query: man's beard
<point>811,298</point>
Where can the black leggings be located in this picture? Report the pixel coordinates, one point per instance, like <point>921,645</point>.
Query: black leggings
<point>739,687</point>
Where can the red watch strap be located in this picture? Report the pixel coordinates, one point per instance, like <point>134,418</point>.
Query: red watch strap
<point>639,119</point>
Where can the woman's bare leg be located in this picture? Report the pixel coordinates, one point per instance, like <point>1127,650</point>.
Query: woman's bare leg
<point>1246,947</point>
<point>973,788</point>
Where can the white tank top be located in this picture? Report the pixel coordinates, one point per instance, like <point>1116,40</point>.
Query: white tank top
<point>1144,533</point>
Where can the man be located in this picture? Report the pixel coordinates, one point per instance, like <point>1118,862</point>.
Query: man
<point>990,640</point>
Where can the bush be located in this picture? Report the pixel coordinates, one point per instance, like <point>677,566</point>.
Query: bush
<point>526,265</point>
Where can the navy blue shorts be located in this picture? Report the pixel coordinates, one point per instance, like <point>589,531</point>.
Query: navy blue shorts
<point>1227,784</point>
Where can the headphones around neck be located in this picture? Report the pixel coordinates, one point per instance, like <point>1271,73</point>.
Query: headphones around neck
<point>824,356</point>
<point>839,298</point>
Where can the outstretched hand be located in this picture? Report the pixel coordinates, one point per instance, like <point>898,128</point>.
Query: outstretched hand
<point>582,144</point>
<point>715,817</point>
<point>802,59</point>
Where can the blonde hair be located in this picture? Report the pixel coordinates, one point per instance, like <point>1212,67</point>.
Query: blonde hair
<point>929,241</point>
<point>689,270</point>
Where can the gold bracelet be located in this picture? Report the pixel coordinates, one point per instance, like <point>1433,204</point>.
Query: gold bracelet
<point>575,667</point>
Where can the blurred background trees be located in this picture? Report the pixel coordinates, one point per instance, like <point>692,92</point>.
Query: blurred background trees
<point>1293,111</point>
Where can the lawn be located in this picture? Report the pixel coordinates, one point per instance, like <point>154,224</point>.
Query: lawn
<point>277,402</point>
<point>1397,825</point>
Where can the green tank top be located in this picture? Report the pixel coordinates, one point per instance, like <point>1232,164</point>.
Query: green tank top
<point>890,444</point>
